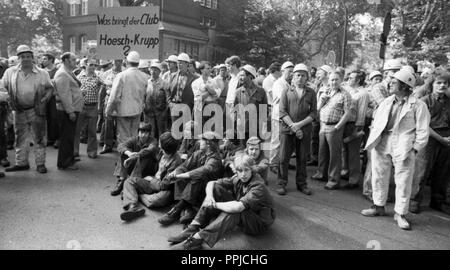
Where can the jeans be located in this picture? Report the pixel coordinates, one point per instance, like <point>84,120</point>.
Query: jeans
<point>30,126</point>
<point>88,117</point>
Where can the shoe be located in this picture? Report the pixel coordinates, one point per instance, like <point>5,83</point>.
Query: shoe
<point>83,141</point>
<point>188,216</point>
<point>312,163</point>
<point>101,144</point>
<point>402,222</point>
<point>132,213</point>
<point>41,169</point>
<point>56,145</point>
<point>17,168</point>
<point>414,207</point>
<point>281,191</point>
<point>5,163</point>
<point>76,158</point>
<point>291,167</point>
<point>184,235</point>
<point>193,244</point>
<point>94,156</point>
<point>118,188</point>
<point>170,217</point>
<point>350,186</point>
<point>344,176</point>
<point>69,168</point>
<point>2,174</point>
<point>106,151</point>
<point>305,190</point>
<point>374,211</point>
<point>335,187</point>
<point>318,177</point>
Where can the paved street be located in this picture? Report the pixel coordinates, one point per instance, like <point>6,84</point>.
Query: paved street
<point>49,211</point>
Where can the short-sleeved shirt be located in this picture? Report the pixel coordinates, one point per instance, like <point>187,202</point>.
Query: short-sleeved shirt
<point>254,195</point>
<point>334,109</point>
<point>90,88</point>
<point>439,107</point>
<point>28,85</point>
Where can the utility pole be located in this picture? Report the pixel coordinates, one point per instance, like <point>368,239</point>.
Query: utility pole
<point>344,36</point>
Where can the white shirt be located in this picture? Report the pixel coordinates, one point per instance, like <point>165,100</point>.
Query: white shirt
<point>199,88</point>
<point>232,86</point>
<point>267,85</point>
<point>278,87</point>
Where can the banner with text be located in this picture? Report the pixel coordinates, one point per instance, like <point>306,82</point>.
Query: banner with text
<point>124,29</point>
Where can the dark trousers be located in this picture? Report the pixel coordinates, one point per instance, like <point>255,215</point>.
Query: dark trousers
<point>158,122</point>
<point>3,115</point>
<point>137,168</point>
<point>53,126</point>
<point>87,119</point>
<point>314,150</point>
<point>190,191</point>
<point>330,154</point>
<point>288,144</point>
<point>108,132</point>
<point>66,140</point>
<point>351,161</point>
<point>434,164</point>
<point>216,223</point>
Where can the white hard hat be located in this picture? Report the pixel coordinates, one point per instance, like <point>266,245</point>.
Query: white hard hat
<point>83,62</point>
<point>172,58</point>
<point>184,57</point>
<point>13,61</point>
<point>23,49</point>
<point>392,64</point>
<point>221,66</point>
<point>373,74</point>
<point>156,65</point>
<point>250,69</point>
<point>133,57</point>
<point>406,76</point>
<point>143,63</point>
<point>286,65</point>
<point>301,67</point>
<point>326,68</point>
<point>409,68</point>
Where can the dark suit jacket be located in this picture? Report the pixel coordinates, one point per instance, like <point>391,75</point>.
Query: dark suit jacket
<point>188,95</point>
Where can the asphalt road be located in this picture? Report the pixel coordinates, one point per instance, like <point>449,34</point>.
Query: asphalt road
<point>73,210</point>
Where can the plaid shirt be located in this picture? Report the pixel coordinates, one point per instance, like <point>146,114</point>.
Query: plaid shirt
<point>90,87</point>
<point>334,109</point>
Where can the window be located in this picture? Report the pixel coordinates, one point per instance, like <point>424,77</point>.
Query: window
<point>214,4</point>
<point>72,44</point>
<point>189,47</point>
<point>206,21</point>
<point>107,3</point>
<point>83,42</point>
<point>84,7</point>
<point>208,4</point>
<point>73,9</point>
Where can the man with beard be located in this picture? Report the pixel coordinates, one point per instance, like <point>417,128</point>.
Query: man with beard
<point>138,157</point>
<point>191,178</point>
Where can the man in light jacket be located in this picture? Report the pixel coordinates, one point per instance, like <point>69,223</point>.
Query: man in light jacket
<point>400,130</point>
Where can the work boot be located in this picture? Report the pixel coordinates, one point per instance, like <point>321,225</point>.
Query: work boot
<point>374,211</point>
<point>118,188</point>
<point>41,169</point>
<point>305,190</point>
<point>193,244</point>
<point>133,212</point>
<point>2,174</point>
<point>106,150</point>
<point>414,207</point>
<point>350,186</point>
<point>189,215</point>
<point>5,163</point>
<point>56,145</point>
<point>402,222</point>
<point>172,216</point>
<point>17,168</point>
<point>184,235</point>
<point>281,190</point>
<point>318,177</point>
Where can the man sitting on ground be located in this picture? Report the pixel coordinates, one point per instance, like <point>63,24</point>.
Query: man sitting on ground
<point>242,200</point>
<point>138,157</point>
<point>156,185</point>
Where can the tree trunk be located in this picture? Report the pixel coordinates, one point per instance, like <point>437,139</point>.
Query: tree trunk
<point>3,48</point>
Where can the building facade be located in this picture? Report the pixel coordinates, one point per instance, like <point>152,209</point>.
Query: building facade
<point>197,27</point>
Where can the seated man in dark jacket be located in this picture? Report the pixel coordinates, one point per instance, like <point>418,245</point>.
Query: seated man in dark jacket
<point>242,200</point>
<point>157,184</point>
<point>138,157</point>
<point>191,178</point>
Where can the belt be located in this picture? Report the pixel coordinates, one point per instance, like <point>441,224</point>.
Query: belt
<point>330,124</point>
<point>92,104</point>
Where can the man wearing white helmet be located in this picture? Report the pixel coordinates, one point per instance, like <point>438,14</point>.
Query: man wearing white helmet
<point>400,130</point>
<point>29,89</point>
<point>298,109</point>
<point>172,61</point>
<point>156,111</point>
<point>126,103</point>
<point>280,85</point>
<point>249,93</point>
<point>180,86</point>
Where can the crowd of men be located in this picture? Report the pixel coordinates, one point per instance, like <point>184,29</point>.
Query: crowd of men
<point>383,131</point>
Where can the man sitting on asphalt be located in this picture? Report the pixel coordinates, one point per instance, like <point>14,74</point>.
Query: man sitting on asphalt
<point>254,151</point>
<point>138,157</point>
<point>241,200</point>
<point>191,178</point>
<point>156,185</point>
